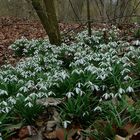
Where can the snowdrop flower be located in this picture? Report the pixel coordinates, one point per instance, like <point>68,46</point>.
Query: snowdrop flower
<point>29,104</point>
<point>106,96</point>
<point>137,42</point>
<point>79,85</point>
<point>126,65</point>
<point>121,90</point>
<point>129,89</point>
<point>95,87</point>
<point>127,77</point>
<point>33,95</point>
<point>3,92</point>
<point>41,94</point>
<point>102,76</point>
<point>19,95</point>
<point>85,113</point>
<point>118,95</point>
<point>51,93</point>
<point>4,103</point>
<point>78,90</point>
<point>125,70</point>
<point>98,108</point>
<point>24,89</point>
<point>65,123</point>
<point>28,99</point>
<point>69,94</point>
<point>12,100</point>
<point>6,109</point>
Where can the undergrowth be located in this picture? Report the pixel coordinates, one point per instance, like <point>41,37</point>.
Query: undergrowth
<point>95,75</point>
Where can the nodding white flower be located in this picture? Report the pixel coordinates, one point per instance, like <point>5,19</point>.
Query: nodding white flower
<point>85,113</point>
<point>51,93</point>
<point>95,87</point>
<point>69,94</point>
<point>65,123</point>
<point>3,92</point>
<point>136,42</point>
<point>12,100</point>
<point>24,89</point>
<point>124,71</point>
<point>27,99</point>
<point>129,89</point>
<point>19,95</point>
<point>4,103</point>
<point>102,76</point>
<point>127,65</point>
<point>127,77</point>
<point>103,87</point>
<point>106,96</point>
<point>7,109</point>
<point>98,108</point>
<point>29,104</point>
<point>121,90</point>
<point>78,90</point>
<point>118,95</point>
<point>79,85</point>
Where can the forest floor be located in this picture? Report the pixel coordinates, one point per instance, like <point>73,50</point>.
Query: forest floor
<point>12,29</point>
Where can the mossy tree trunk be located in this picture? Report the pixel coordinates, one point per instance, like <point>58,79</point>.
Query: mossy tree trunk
<point>48,19</point>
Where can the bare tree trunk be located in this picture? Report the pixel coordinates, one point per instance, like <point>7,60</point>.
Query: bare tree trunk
<point>48,19</point>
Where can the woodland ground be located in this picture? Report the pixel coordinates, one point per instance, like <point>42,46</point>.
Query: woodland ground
<point>12,29</point>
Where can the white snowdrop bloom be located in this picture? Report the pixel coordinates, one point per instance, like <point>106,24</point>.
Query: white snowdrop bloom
<point>136,42</point>
<point>131,48</point>
<point>28,99</point>
<point>121,90</point>
<point>3,92</point>
<point>42,94</point>
<point>12,100</point>
<point>81,93</point>
<point>95,87</point>
<point>126,65</point>
<point>118,95</point>
<point>30,84</point>
<point>64,75</point>
<point>98,108</point>
<point>33,95</point>
<point>19,95</point>
<point>106,96</point>
<point>102,76</point>
<point>110,68</point>
<point>7,109</point>
<point>78,90</point>
<point>127,77</point>
<point>129,89</point>
<point>104,87</point>
<point>85,113</point>
<point>4,103</point>
<point>38,69</point>
<point>6,80</point>
<point>79,85</point>
<point>29,104</point>
<point>69,94</point>
<point>124,71</point>
<point>51,93</point>
<point>24,89</point>
<point>65,123</point>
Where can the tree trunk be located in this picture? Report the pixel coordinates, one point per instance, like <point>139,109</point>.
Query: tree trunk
<point>48,19</point>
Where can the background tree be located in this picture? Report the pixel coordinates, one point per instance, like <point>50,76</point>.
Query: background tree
<point>48,19</point>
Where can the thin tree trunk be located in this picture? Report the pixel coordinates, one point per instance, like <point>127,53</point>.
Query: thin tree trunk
<point>48,19</point>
